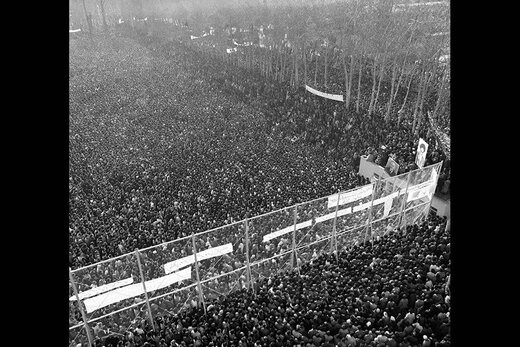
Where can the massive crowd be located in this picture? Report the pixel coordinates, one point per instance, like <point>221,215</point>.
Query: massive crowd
<point>165,142</point>
<point>156,154</point>
<point>395,292</point>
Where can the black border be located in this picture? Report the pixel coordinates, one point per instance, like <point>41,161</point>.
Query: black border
<point>39,166</point>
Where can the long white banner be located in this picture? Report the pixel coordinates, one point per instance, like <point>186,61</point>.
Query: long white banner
<point>133,290</point>
<point>347,197</point>
<point>206,254</point>
<point>101,289</point>
<point>336,97</point>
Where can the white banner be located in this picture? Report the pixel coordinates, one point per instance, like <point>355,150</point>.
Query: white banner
<point>420,156</point>
<point>133,290</point>
<point>74,30</point>
<point>361,207</point>
<point>388,207</point>
<point>231,50</point>
<point>101,289</point>
<point>286,230</point>
<point>421,192</point>
<point>305,224</point>
<point>347,197</point>
<point>206,254</point>
<point>336,97</point>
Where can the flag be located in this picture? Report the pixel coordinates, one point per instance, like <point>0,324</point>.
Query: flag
<point>420,157</point>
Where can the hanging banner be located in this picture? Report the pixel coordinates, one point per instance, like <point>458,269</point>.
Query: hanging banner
<point>305,224</point>
<point>426,191</point>
<point>102,289</point>
<point>336,97</point>
<point>420,157</point>
<point>350,196</point>
<point>388,207</point>
<point>206,254</point>
<point>133,290</point>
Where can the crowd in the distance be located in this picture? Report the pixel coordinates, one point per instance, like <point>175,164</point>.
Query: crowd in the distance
<point>394,292</point>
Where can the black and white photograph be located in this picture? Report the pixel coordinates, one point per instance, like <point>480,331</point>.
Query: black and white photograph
<point>259,173</point>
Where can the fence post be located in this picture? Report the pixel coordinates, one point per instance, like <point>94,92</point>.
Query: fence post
<point>199,286</point>
<point>403,208</point>
<point>333,240</point>
<point>248,264</point>
<point>83,314</point>
<point>436,181</point>
<point>369,225</point>
<point>138,256</point>
<point>293,255</point>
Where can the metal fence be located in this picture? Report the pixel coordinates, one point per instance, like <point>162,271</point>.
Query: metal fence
<point>123,292</point>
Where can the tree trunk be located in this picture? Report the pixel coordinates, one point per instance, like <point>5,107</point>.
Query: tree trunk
<point>400,77</point>
<point>296,77</point>
<point>304,64</point>
<point>440,94</point>
<point>425,93</point>
<point>417,102</point>
<point>401,110</point>
<point>381,74</point>
<point>373,93</point>
<point>359,82</point>
<point>326,66</point>
<point>316,71</point>
<point>394,71</point>
<point>89,21</point>
<point>103,16</point>
<point>349,91</point>
<point>347,87</point>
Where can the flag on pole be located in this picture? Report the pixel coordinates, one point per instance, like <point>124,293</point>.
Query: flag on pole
<point>420,156</point>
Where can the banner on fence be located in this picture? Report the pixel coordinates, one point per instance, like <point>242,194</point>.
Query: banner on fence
<point>133,290</point>
<point>206,254</point>
<point>336,97</point>
<point>350,196</point>
<point>102,289</point>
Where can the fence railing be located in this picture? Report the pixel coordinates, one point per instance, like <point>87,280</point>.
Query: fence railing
<point>122,292</point>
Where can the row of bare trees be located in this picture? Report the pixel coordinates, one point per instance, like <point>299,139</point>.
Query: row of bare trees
<point>398,53</point>
<point>383,61</point>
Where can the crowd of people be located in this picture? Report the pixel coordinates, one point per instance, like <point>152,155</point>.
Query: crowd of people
<point>394,292</point>
<point>165,142</point>
<point>150,141</point>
